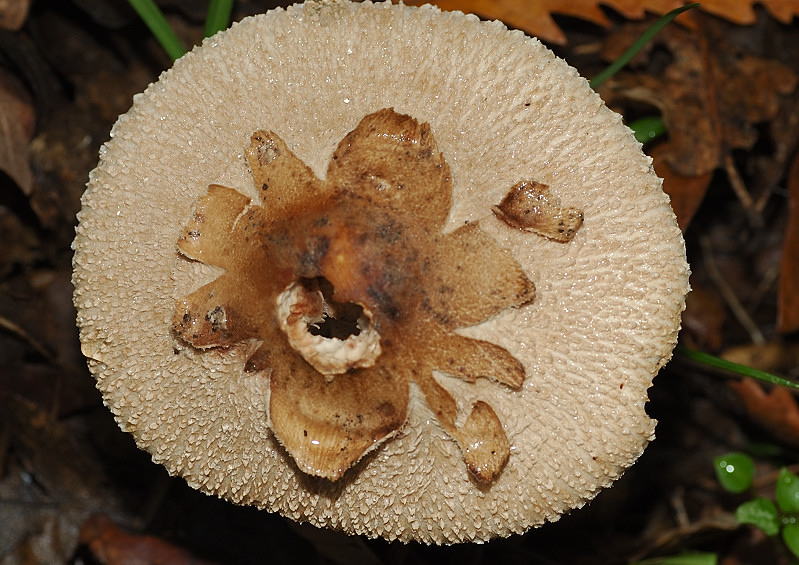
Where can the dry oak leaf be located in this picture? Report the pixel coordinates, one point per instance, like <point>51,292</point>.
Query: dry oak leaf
<point>353,293</point>
<point>710,105</point>
<point>535,16</point>
<point>775,411</point>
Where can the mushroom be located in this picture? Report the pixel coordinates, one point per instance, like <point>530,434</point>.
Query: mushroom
<point>384,269</point>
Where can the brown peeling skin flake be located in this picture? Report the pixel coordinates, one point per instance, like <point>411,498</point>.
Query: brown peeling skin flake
<point>530,207</point>
<point>354,293</point>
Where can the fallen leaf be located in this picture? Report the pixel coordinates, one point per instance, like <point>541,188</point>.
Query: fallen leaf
<point>775,411</point>
<point>788,297</point>
<point>774,357</point>
<point>17,120</point>
<point>711,99</point>
<point>48,487</point>
<point>535,16</point>
<point>704,318</point>
<point>111,545</point>
<point>13,13</point>
<point>686,192</point>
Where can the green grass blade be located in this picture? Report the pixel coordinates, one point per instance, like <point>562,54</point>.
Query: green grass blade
<point>158,25</point>
<point>735,368</point>
<point>218,17</point>
<point>684,559</point>
<point>648,129</point>
<point>645,38</point>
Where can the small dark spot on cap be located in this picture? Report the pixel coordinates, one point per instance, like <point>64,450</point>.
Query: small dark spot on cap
<point>386,410</point>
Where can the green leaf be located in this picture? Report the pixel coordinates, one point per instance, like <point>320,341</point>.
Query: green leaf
<point>787,492</point>
<point>790,535</point>
<point>735,471</point>
<point>682,559</point>
<point>760,512</point>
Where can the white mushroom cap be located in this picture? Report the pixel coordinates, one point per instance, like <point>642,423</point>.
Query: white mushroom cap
<point>503,109</point>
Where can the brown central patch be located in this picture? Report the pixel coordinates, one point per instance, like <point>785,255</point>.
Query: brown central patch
<point>370,237</point>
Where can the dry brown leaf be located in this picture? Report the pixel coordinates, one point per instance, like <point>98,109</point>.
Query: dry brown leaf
<point>48,487</point>
<point>788,298</point>
<point>775,411</point>
<point>686,193</point>
<point>704,318</point>
<point>535,16</point>
<point>13,13</point>
<point>774,357</point>
<point>111,545</point>
<point>17,120</point>
<point>711,98</point>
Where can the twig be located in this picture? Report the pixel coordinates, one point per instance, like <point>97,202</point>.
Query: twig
<point>724,522</point>
<point>729,295</point>
<point>678,505</point>
<point>14,329</point>
<point>782,160</point>
<point>740,190</point>
<point>770,277</point>
<point>770,479</point>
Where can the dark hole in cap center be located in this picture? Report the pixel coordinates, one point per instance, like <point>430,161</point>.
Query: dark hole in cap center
<point>340,318</point>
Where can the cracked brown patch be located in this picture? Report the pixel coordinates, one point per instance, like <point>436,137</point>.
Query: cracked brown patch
<point>367,241</point>
<point>530,207</point>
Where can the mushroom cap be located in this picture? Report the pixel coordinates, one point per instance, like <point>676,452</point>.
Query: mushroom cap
<point>502,108</point>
